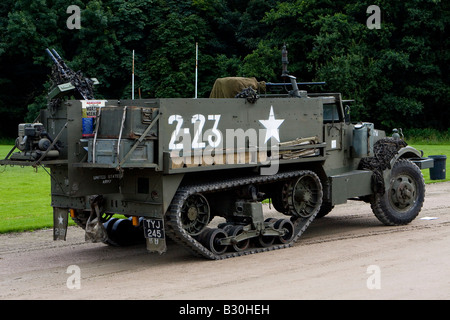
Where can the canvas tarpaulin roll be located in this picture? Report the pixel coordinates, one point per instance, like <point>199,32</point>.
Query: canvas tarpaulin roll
<point>229,87</point>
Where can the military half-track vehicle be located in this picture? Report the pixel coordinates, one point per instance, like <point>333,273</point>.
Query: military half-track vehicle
<point>156,169</point>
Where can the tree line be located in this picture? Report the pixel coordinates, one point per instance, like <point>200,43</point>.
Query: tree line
<point>397,75</point>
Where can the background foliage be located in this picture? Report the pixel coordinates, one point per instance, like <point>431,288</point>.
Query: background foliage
<point>398,75</point>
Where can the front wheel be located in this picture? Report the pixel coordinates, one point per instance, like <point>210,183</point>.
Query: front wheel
<point>403,199</point>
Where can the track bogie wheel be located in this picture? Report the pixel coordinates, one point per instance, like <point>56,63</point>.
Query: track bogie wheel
<point>210,238</point>
<point>288,226</point>
<point>265,241</point>
<point>240,245</point>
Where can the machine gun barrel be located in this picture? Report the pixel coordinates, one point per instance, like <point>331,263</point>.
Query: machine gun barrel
<point>56,54</point>
<point>51,56</point>
<point>298,83</point>
<point>62,68</point>
<point>60,60</point>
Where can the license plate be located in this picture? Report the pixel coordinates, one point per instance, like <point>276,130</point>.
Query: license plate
<point>154,228</point>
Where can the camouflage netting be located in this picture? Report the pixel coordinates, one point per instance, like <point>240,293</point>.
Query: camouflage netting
<point>231,86</point>
<point>384,150</point>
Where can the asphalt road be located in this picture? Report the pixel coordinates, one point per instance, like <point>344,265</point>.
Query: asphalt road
<point>348,254</point>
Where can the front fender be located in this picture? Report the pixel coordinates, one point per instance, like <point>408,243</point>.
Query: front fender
<point>406,153</point>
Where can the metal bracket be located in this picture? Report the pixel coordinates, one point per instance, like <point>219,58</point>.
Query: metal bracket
<point>141,138</point>
<point>121,130</point>
<point>97,125</point>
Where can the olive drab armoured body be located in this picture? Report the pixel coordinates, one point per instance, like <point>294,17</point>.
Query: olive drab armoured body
<point>197,170</point>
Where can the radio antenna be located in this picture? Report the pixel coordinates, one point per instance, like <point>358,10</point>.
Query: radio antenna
<point>196,69</point>
<point>132,79</point>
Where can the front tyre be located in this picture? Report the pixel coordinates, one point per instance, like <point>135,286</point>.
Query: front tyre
<point>403,199</point>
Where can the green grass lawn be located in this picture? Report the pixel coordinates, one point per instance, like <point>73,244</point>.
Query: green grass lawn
<point>25,193</point>
<point>24,197</point>
<point>429,150</point>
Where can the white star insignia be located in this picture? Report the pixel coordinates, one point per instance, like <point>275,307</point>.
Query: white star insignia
<point>272,126</point>
<point>60,220</point>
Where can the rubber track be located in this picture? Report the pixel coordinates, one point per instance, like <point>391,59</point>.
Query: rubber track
<point>176,232</point>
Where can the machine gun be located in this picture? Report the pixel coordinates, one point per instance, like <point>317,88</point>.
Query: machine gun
<point>295,92</point>
<point>34,142</point>
<point>66,80</point>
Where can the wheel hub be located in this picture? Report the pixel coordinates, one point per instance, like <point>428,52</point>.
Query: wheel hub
<point>406,191</point>
<point>192,213</point>
<point>403,192</point>
<point>303,195</point>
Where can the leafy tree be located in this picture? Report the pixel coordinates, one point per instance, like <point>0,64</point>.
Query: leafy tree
<point>398,75</point>
<point>392,73</point>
